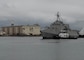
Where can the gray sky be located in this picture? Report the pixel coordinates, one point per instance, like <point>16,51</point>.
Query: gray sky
<point>41,11</point>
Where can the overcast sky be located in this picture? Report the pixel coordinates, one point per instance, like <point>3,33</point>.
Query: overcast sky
<point>41,11</point>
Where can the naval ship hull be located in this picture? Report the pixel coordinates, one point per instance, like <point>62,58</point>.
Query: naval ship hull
<point>46,35</point>
<point>81,36</point>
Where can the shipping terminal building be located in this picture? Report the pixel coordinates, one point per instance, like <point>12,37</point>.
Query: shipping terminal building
<point>21,30</point>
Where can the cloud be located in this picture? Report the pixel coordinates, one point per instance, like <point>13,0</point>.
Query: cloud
<point>41,11</point>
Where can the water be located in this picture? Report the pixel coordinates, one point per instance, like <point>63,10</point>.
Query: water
<point>34,48</point>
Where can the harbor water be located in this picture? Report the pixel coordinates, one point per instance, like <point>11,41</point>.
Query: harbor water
<point>34,48</point>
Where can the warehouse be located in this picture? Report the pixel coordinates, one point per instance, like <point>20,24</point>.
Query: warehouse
<point>22,30</point>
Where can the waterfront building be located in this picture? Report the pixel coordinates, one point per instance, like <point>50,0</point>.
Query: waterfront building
<point>31,30</point>
<point>22,30</point>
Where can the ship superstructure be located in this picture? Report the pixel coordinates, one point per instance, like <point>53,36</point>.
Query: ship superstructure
<point>57,29</point>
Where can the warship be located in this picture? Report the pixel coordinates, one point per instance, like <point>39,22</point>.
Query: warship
<point>58,30</point>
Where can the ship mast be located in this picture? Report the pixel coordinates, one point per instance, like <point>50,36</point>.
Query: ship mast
<point>58,17</point>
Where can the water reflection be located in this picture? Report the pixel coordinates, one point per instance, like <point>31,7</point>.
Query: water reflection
<point>58,52</point>
<point>58,41</point>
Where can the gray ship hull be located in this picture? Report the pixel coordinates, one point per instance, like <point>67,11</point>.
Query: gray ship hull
<point>49,36</point>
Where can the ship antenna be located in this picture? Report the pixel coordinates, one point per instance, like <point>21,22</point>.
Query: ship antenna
<point>58,16</point>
